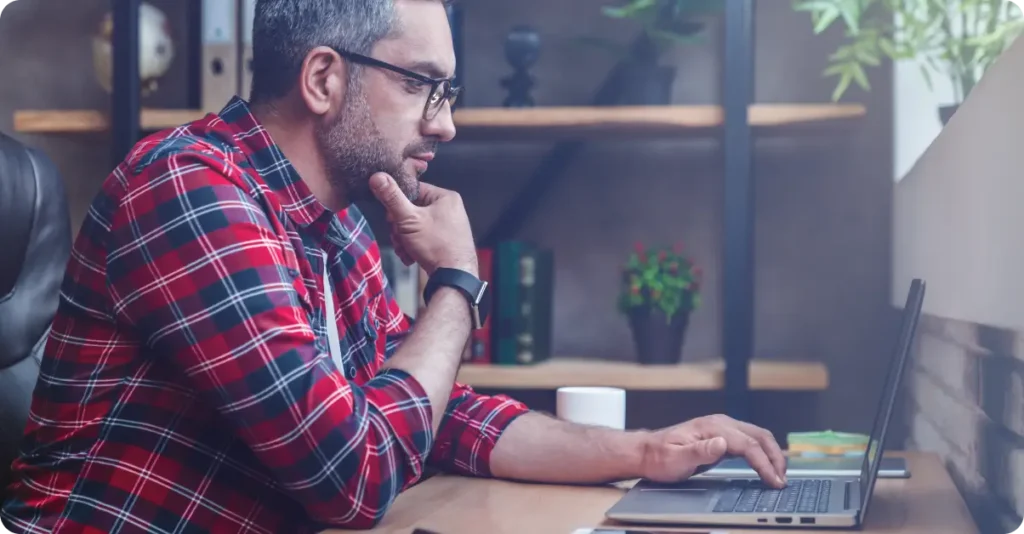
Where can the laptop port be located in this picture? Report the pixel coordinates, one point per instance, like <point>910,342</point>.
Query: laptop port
<point>806,520</point>
<point>784,520</point>
<point>762,520</point>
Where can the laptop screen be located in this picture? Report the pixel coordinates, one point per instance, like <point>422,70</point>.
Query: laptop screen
<point>873,456</point>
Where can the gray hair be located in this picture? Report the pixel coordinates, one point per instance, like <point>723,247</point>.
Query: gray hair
<point>284,31</point>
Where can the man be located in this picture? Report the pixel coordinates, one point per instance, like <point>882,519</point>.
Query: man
<point>192,381</point>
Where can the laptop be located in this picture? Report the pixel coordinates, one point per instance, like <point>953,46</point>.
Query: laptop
<point>809,502</point>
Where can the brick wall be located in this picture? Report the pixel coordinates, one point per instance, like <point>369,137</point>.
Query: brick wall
<point>965,401</point>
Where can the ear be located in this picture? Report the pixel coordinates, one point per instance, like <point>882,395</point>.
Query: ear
<point>321,80</point>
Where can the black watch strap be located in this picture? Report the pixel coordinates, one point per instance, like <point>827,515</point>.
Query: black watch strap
<point>471,287</point>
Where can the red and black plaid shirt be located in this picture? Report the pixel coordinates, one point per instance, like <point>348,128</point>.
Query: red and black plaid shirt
<point>187,384</point>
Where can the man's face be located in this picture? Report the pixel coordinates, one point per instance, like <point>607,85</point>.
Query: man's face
<point>382,125</point>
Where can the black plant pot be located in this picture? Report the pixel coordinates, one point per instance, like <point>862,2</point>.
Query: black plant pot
<point>946,113</point>
<point>645,84</point>
<point>657,340</point>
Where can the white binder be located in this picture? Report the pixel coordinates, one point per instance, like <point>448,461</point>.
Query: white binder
<point>248,10</point>
<point>220,53</point>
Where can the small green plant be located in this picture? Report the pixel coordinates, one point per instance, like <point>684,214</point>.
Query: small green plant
<point>664,23</point>
<point>959,39</point>
<point>660,278</point>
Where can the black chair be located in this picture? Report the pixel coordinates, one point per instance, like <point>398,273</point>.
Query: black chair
<point>35,242</point>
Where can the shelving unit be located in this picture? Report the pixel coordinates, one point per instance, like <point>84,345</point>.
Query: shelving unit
<point>539,123</point>
<point>735,122</point>
<point>697,376</point>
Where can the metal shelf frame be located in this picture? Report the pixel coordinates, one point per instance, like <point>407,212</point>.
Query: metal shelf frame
<point>738,220</point>
<point>738,212</point>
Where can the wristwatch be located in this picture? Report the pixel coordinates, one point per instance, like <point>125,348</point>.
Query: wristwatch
<point>471,287</point>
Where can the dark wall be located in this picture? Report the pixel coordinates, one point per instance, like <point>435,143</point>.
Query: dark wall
<point>823,203</point>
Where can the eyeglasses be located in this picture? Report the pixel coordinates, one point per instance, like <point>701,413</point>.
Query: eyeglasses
<point>440,89</point>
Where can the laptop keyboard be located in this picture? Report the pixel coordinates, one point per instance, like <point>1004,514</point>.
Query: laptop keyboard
<point>800,496</point>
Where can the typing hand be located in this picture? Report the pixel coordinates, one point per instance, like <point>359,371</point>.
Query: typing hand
<point>434,232</point>
<point>677,452</point>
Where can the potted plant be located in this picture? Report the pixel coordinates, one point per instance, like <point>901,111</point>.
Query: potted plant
<point>660,288</point>
<point>957,39</point>
<point>641,79</point>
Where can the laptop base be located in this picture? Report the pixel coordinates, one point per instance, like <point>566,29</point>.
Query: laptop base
<point>700,501</point>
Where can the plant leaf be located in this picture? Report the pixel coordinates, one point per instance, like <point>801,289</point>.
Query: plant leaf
<point>844,84</point>
<point>826,18</point>
<point>850,11</point>
<point>675,37</point>
<point>860,76</point>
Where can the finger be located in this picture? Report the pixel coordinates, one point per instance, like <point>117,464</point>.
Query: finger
<point>400,251</point>
<point>700,453</point>
<point>391,196</point>
<point>396,246</point>
<point>429,193</point>
<point>769,444</point>
<point>741,444</point>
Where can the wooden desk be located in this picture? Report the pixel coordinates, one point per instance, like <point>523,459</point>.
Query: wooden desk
<point>926,503</point>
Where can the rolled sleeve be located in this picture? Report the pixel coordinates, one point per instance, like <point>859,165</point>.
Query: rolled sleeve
<point>403,409</point>
<point>471,427</point>
<point>472,422</point>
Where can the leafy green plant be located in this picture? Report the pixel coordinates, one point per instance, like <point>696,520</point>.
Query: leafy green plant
<point>665,23</point>
<point>660,278</point>
<point>958,39</point>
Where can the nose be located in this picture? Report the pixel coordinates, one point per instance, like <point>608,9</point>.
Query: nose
<point>442,126</point>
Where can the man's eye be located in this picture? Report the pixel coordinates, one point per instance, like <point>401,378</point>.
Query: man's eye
<point>414,85</point>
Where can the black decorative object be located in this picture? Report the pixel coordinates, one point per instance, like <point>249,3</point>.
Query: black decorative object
<point>946,113</point>
<point>454,11</point>
<point>522,48</point>
<point>641,80</point>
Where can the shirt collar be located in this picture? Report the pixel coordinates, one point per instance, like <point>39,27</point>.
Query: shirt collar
<point>269,165</point>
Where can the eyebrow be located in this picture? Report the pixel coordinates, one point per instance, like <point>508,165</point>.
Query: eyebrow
<point>429,68</point>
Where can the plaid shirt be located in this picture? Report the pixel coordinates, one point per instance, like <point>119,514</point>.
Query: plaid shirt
<point>187,384</point>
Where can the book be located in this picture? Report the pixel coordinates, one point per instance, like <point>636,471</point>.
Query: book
<point>524,295</point>
<point>828,442</point>
<point>219,53</point>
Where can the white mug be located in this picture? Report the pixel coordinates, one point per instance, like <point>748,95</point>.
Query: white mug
<point>597,406</point>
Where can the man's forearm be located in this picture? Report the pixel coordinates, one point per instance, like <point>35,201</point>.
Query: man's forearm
<point>539,448</point>
<point>433,351</point>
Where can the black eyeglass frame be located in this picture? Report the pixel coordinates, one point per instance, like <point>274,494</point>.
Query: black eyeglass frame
<point>450,92</point>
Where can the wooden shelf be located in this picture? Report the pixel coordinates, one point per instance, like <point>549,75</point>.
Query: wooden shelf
<point>90,121</point>
<point>765,375</point>
<point>537,123</point>
<point>639,122</point>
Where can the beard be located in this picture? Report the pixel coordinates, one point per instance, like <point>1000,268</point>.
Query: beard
<point>355,149</point>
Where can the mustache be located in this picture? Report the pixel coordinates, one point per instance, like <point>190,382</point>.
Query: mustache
<point>420,148</point>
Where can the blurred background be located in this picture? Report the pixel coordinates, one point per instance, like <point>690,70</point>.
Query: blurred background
<point>878,146</point>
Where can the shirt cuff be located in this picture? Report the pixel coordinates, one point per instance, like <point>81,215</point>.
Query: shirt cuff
<point>401,404</point>
<point>471,428</point>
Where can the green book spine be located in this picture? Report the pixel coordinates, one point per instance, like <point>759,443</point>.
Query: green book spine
<point>536,275</point>
<point>543,306</point>
<point>507,302</point>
